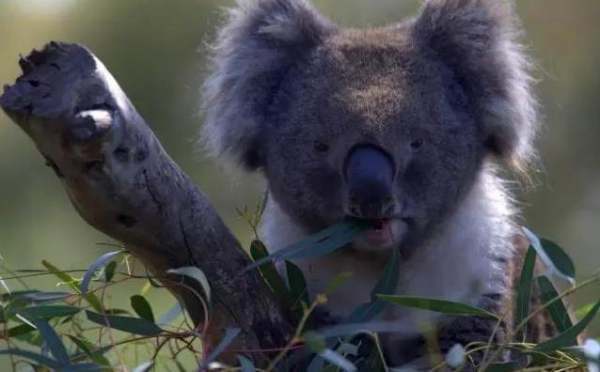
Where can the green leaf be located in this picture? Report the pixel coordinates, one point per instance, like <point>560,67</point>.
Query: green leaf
<point>144,367</point>
<point>502,367</point>
<point>319,244</point>
<point>337,360</point>
<point>258,251</point>
<point>136,326</point>
<point>315,342</point>
<point>554,257</point>
<point>230,335</point>
<point>196,274</point>
<point>569,336</point>
<point>109,271</point>
<point>559,258</point>
<point>386,285</point>
<point>86,347</point>
<point>439,306</point>
<point>43,297</point>
<point>65,277</point>
<point>48,311</point>
<point>558,311</point>
<point>524,287</point>
<point>91,298</point>
<point>246,364</point>
<point>20,330</point>
<point>580,313</point>
<point>297,283</point>
<point>170,315</point>
<point>40,359</point>
<point>100,263</point>
<point>52,340</point>
<point>142,308</point>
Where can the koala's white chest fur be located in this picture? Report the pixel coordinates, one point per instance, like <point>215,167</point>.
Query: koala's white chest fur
<point>458,264</point>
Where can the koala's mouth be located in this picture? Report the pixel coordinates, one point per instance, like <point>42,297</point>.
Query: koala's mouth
<point>381,232</point>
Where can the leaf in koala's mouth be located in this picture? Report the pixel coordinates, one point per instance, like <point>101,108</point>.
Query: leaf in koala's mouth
<point>324,242</point>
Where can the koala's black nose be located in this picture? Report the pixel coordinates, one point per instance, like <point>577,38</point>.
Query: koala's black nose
<point>369,174</point>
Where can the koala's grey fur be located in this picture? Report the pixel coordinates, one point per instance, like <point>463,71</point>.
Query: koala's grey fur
<point>291,93</point>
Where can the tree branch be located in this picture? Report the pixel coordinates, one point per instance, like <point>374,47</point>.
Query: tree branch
<point>121,181</point>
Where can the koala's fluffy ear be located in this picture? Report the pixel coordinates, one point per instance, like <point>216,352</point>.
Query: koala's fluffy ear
<point>257,45</point>
<point>477,39</point>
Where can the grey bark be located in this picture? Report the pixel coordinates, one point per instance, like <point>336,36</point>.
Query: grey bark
<point>122,182</point>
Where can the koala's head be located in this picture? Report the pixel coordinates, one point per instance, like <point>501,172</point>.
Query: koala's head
<point>390,124</point>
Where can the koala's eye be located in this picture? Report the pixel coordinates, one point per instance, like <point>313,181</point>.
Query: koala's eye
<point>321,147</point>
<point>417,144</point>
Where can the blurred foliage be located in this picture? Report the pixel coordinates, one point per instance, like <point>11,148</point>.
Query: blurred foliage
<point>155,49</point>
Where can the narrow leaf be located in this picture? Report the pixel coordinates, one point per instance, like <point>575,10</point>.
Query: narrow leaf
<point>86,347</point>
<point>559,257</point>
<point>297,283</point>
<point>568,337</point>
<point>558,311</point>
<point>91,298</point>
<point>246,364</point>
<point>386,285</point>
<point>20,330</point>
<point>40,359</point>
<point>126,324</point>
<point>196,274</point>
<point>258,251</point>
<point>170,315</point>
<point>54,343</point>
<point>554,258</point>
<point>337,360</point>
<point>142,308</point>
<point>44,297</point>
<point>144,367</point>
<point>65,277</point>
<point>109,271</point>
<point>95,266</point>
<point>230,335</point>
<point>319,244</point>
<point>48,311</point>
<point>439,306</point>
<point>524,287</point>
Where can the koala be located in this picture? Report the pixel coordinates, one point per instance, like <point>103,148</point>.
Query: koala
<point>406,126</point>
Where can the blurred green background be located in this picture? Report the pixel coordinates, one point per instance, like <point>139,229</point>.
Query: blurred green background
<point>155,49</point>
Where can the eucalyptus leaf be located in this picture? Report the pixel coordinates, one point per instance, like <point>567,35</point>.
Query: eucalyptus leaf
<point>319,244</point>
<point>196,274</point>
<point>86,347</point>
<point>386,285</point>
<point>40,359</point>
<point>100,263</point>
<point>109,271</point>
<point>60,274</point>
<point>144,367</point>
<point>170,315</point>
<point>48,311</point>
<point>337,360</point>
<point>558,311</point>
<point>569,336</point>
<point>246,364</point>
<point>297,283</point>
<point>258,251</point>
<point>230,335</point>
<point>524,287</point>
<point>53,341</point>
<point>136,326</point>
<point>559,264</point>
<point>142,308</point>
<point>439,306</point>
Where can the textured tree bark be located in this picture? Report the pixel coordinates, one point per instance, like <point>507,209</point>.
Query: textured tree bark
<point>121,181</point>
